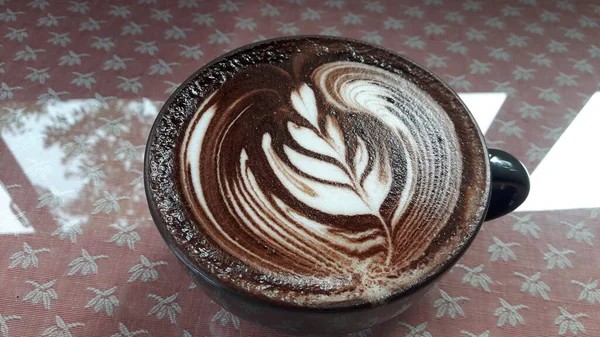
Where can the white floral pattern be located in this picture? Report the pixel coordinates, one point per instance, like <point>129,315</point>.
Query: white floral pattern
<point>501,250</point>
<point>103,301</point>
<point>61,329</point>
<point>509,314</point>
<point>42,293</point>
<point>224,318</point>
<point>590,291</point>
<point>533,285</point>
<point>569,323</point>
<point>416,331</point>
<point>126,235</point>
<point>125,332</point>
<point>558,258</point>
<point>27,257</point>
<point>448,305</point>
<point>145,271</point>
<point>86,264</point>
<point>4,323</point>
<point>476,277</point>
<point>166,307</point>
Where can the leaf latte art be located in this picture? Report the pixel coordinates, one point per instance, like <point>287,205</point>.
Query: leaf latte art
<point>315,172</point>
<point>337,182</point>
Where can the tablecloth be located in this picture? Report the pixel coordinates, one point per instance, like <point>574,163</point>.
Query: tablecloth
<point>81,83</point>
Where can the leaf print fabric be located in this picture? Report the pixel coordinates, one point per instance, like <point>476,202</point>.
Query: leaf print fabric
<point>82,81</point>
<point>27,257</point>
<point>558,258</point>
<point>448,305</point>
<point>416,331</point>
<point>501,250</point>
<point>589,291</point>
<point>86,264</point>
<point>125,332</point>
<point>126,235</point>
<point>475,277</point>
<point>509,314</point>
<point>569,323</point>
<point>166,307</point>
<point>145,271</point>
<point>42,293</point>
<point>534,286</point>
<point>223,317</point>
<point>61,329</point>
<point>103,301</point>
<point>4,323</point>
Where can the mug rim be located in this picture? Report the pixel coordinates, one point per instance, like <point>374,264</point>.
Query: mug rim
<point>206,276</point>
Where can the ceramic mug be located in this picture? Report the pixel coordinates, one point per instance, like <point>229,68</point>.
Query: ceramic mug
<point>507,186</point>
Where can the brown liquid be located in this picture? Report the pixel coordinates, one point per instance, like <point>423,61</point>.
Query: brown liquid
<point>319,172</point>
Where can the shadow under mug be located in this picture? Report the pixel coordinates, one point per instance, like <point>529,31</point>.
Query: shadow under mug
<point>508,187</point>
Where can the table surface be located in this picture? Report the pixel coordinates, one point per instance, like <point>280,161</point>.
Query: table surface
<point>81,83</point>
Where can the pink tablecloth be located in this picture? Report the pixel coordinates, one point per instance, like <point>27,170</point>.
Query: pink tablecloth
<point>81,82</point>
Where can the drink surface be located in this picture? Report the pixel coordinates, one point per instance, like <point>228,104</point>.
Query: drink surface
<point>319,171</point>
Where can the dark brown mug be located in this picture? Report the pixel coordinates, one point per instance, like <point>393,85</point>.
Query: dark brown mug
<point>504,188</point>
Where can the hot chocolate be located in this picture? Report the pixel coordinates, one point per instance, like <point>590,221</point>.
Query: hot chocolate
<point>317,172</point>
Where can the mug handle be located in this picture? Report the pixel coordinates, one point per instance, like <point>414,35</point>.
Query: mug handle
<point>510,183</point>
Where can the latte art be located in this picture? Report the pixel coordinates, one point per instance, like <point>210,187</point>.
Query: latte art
<point>330,179</point>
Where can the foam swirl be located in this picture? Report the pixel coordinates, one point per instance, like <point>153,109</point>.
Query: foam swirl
<point>336,181</point>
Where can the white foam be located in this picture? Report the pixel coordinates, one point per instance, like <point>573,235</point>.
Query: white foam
<point>316,168</point>
<point>327,198</point>
<point>305,103</point>
<point>309,140</point>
